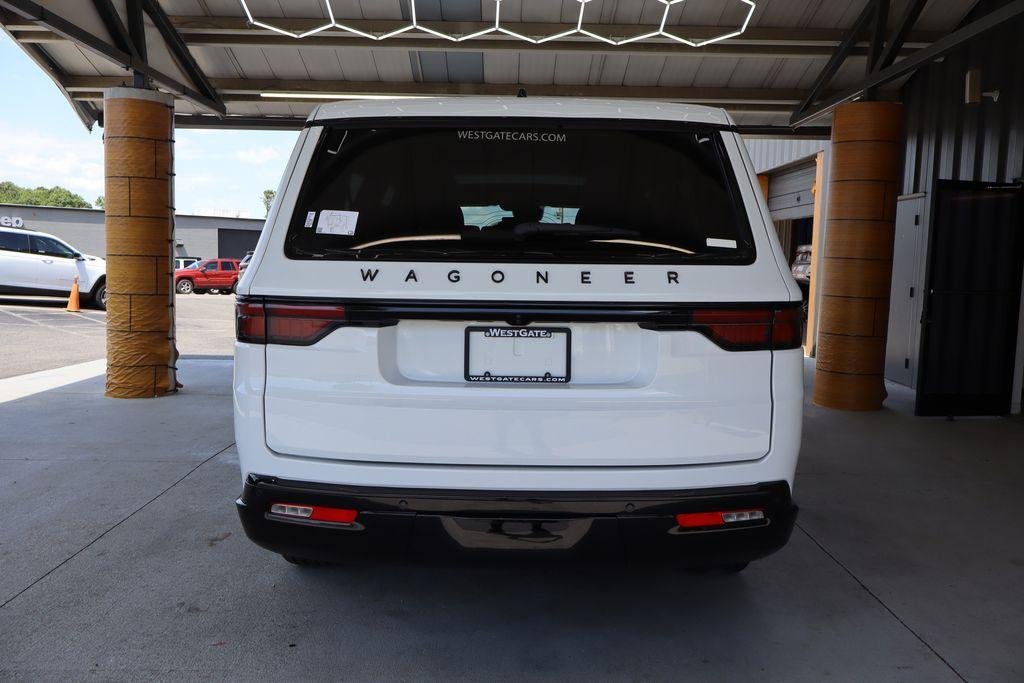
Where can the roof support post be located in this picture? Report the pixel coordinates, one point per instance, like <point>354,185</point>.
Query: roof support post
<point>138,164</point>
<point>857,263</point>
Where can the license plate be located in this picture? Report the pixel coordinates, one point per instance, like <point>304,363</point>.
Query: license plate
<point>518,355</point>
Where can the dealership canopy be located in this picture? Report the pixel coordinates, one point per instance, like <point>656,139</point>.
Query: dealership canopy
<point>267,63</point>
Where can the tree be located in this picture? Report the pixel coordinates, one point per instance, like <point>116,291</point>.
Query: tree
<point>99,202</point>
<point>41,196</point>
<point>268,200</point>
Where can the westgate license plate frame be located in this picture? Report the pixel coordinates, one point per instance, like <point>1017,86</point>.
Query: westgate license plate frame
<point>523,380</point>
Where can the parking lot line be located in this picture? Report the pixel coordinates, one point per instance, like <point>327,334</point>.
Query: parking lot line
<point>30,320</point>
<point>20,386</point>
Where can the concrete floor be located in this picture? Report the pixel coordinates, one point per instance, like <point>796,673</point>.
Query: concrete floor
<point>123,558</point>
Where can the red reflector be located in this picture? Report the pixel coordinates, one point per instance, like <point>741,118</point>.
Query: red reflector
<point>318,513</point>
<point>694,520</point>
<point>339,515</point>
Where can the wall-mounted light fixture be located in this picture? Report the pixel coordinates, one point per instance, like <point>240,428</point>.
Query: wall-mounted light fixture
<point>973,94</point>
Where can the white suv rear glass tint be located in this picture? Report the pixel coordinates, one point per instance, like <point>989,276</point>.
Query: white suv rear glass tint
<point>536,192</point>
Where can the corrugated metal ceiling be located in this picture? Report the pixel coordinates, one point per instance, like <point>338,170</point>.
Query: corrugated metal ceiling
<point>283,59</point>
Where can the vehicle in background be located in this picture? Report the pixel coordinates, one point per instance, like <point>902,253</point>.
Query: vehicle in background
<point>503,324</point>
<point>802,274</point>
<point>802,265</point>
<point>244,263</point>
<point>181,262</point>
<point>217,275</point>
<point>39,264</point>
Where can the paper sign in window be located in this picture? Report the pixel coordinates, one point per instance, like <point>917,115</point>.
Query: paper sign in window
<point>337,222</point>
<point>724,244</point>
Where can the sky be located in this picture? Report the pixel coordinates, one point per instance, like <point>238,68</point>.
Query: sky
<point>43,142</point>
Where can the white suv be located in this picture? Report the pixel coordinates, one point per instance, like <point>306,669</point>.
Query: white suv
<point>39,264</point>
<point>519,324</point>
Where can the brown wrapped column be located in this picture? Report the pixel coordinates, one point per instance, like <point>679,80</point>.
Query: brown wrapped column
<point>857,268</point>
<point>138,162</point>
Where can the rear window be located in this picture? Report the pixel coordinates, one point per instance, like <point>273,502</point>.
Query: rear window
<point>572,192</point>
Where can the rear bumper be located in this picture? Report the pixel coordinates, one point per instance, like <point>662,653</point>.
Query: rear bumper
<point>632,525</point>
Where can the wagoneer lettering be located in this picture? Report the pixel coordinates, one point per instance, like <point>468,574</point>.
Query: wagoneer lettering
<point>571,314</point>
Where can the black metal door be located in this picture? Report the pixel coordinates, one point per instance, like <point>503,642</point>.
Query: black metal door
<point>973,284</point>
<point>233,243</point>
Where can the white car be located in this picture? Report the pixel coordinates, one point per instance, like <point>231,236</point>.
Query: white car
<point>519,324</point>
<point>39,264</point>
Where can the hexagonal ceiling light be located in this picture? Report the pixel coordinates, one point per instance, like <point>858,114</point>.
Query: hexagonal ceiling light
<point>415,25</point>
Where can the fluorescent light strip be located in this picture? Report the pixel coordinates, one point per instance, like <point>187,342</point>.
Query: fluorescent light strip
<point>337,96</point>
<point>498,28</point>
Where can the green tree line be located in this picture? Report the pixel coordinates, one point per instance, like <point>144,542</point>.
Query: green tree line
<point>41,196</point>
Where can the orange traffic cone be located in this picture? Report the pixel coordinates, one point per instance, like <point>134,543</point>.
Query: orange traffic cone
<point>73,299</point>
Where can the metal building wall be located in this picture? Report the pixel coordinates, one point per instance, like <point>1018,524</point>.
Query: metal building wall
<point>955,141</point>
<point>949,140</point>
<point>770,153</point>
<point>84,230</point>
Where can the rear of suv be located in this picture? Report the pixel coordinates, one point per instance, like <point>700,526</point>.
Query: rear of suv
<point>518,324</point>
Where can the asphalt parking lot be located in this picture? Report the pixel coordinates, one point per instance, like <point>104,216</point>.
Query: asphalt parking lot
<point>38,334</point>
<point>123,559</point>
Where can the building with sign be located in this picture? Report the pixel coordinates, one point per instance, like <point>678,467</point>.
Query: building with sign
<point>196,236</point>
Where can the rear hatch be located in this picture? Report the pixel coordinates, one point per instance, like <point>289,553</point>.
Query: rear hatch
<point>536,294</point>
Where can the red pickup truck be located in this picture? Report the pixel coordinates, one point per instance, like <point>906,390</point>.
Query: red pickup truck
<point>220,274</point>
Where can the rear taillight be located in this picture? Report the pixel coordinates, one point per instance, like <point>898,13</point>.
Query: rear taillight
<point>749,329</point>
<point>250,323</point>
<point>735,329</point>
<point>290,324</point>
<point>787,328</point>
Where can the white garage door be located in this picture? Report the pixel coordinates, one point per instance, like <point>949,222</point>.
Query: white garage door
<point>789,192</point>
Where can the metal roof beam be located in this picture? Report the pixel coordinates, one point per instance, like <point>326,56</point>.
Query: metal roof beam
<point>243,122</point>
<point>115,27</point>
<point>991,20</point>
<point>881,22</point>
<point>421,42</point>
<point>428,44</point>
<point>240,122</point>
<point>307,91</point>
<point>88,41</point>
<point>262,87</point>
<point>179,51</point>
<point>85,111</point>
<point>839,56</point>
<point>899,36</point>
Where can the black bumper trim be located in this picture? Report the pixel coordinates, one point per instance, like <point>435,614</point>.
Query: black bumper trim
<point>631,524</point>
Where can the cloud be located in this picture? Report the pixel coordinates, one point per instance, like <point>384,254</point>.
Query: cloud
<point>31,158</point>
<point>258,155</point>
